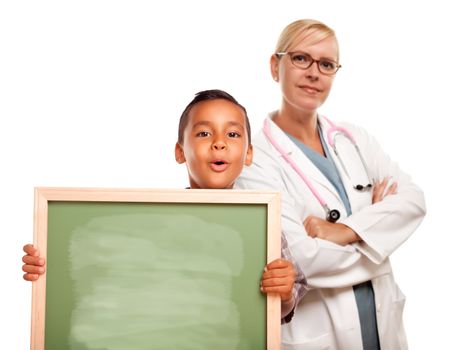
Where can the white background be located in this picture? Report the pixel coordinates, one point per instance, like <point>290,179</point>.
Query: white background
<point>91,93</point>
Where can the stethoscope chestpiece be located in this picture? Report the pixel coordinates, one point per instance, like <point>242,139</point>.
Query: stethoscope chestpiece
<point>333,215</point>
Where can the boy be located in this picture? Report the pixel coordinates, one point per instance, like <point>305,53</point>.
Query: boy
<point>214,140</point>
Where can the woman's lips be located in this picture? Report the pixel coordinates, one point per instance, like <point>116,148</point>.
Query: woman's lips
<point>310,89</point>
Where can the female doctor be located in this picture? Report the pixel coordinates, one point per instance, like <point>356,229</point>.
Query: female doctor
<point>339,235</point>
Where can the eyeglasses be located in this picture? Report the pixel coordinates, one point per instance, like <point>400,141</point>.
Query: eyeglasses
<point>303,60</point>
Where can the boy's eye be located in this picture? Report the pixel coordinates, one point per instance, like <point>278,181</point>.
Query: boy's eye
<point>233,134</point>
<point>203,134</point>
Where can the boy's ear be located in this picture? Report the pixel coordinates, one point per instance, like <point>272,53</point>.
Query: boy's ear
<point>249,155</point>
<point>179,154</point>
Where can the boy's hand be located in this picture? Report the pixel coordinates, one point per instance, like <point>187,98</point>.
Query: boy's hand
<point>34,265</point>
<point>279,277</point>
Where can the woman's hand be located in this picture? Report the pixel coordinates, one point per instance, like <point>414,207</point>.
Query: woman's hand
<point>380,190</point>
<point>34,265</point>
<point>279,277</point>
<point>334,232</point>
<point>340,233</point>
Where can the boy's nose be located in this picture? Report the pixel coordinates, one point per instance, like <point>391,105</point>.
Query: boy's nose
<point>219,145</point>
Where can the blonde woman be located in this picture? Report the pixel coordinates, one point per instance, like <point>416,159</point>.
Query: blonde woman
<point>333,177</point>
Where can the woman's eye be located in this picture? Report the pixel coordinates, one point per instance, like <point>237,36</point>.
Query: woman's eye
<point>203,134</point>
<point>300,58</point>
<point>233,134</point>
<point>328,65</point>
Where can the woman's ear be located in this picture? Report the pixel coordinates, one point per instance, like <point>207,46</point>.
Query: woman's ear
<point>274,66</point>
<point>249,155</point>
<point>179,154</point>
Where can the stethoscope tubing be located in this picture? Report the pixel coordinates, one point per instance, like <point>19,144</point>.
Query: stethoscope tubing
<point>332,215</point>
<point>338,130</point>
<point>289,160</point>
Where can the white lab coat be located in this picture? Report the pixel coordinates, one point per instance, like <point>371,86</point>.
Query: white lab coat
<point>327,317</point>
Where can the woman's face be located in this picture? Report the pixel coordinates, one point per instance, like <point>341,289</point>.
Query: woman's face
<point>305,89</point>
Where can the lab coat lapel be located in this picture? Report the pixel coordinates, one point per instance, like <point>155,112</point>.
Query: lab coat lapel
<point>303,162</point>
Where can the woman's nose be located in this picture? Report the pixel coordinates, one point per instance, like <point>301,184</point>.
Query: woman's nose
<point>313,71</point>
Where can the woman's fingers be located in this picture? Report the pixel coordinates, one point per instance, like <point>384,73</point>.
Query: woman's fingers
<point>393,189</point>
<point>380,190</point>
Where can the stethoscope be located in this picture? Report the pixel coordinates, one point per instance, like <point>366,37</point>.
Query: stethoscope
<point>332,215</point>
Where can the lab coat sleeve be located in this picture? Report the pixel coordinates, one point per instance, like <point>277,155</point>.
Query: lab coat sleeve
<point>325,264</point>
<point>385,225</point>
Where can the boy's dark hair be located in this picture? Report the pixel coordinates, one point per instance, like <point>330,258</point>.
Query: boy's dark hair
<point>208,95</point>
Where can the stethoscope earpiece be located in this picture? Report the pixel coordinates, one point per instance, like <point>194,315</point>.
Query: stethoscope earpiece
<point>362,188</point>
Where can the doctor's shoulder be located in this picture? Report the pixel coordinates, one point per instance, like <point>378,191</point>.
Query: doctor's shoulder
<point>379,162</point>
<point>363,138</point>
<point>267,169</point>
<point>264,155</point>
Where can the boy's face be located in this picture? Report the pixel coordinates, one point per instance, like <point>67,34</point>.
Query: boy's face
<point>215,145</point>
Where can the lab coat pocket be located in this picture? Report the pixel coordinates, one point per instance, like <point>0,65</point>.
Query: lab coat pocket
<point>321,342</point>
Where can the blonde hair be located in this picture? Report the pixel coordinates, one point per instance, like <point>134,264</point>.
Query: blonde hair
<point>303,29</point>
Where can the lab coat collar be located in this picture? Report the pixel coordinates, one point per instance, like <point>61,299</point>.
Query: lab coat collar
<point>303,162</point>
<point>285,142</point>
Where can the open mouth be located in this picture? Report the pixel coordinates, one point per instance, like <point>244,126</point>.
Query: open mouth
<point>219,165</point>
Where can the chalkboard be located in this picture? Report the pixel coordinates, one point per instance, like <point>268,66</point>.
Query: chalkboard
<point>155,269</point>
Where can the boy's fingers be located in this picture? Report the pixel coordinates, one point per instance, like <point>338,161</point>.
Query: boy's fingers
<point>271,272</point>
<point>30,277</point>
<point>273,282</point>
<point>275,289</point>
<point>284,291</point>
<point>33,260</point>
<point>279,264</point>
<point>280,281</point>
<point>285,295</point>
<point>27,248</point>
<point>33,269</point>
<point>30,250</point>
<point>279,273</point>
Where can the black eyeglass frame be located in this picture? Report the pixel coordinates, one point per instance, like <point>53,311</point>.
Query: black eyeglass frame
<point>312,61</point>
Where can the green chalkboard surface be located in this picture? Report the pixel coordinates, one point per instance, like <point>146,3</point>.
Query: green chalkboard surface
<point>153,273</point>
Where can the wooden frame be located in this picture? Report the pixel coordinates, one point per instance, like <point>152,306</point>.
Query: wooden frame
<point>45,196</point>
